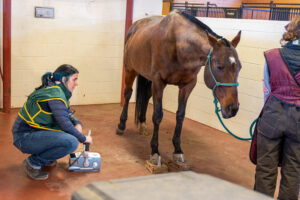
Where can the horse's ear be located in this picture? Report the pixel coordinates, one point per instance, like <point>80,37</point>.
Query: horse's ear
<point>236,39</point>
<point>211,39</point>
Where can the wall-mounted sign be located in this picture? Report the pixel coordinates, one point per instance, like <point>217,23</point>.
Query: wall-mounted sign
<point>43,12</point>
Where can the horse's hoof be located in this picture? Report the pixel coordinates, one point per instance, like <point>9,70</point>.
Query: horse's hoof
<point>155,159</point>
<point>178,157</point>
<point>143,129</point>
<point>153,168</point>
<point>178,163</point>
<point>119,131</point>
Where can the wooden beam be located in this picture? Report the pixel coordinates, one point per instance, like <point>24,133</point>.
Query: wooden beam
<point>6,56</point>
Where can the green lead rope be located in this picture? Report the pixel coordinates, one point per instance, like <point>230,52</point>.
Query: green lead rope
<point>217,109</point>
<point>251,127</point>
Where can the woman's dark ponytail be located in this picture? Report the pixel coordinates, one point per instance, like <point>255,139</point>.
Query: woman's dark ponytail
<point>47,80</point>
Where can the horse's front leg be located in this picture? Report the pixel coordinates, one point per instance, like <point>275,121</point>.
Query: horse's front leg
<point>157,92</point>
<point>184,93</point>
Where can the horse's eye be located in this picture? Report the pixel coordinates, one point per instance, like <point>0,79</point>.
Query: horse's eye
<point>220,68</point>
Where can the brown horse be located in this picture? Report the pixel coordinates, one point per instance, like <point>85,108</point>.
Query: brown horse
<point>172,50</point>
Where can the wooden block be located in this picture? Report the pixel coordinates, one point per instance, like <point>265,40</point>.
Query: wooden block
<point>154,169</point>
<point>178,166</point>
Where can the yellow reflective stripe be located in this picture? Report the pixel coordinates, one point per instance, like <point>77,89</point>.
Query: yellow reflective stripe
<point>55,99</point>
<point>36,114</point>
<point>27,111</point>
<point>48,113</point>
<point>41,110</point>
<point>49,129</point>
<point>53,87</point>
<point>28,122</point>
<point>36,125</point>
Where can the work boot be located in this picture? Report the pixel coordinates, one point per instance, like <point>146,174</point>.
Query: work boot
<point>35,174</point>
<point>51,164</point>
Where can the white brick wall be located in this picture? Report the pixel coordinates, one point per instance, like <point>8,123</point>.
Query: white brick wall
<point>144,8</point>
<point>257,37</point>
<point>84,33</point>
<point>88,34</point>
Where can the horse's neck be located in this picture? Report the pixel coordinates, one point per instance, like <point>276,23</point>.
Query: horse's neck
<point>205,50</point>
<point>193,50</point>
<point>205,46</point>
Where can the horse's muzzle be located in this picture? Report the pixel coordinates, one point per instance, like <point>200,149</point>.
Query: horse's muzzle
<point>230,111</point>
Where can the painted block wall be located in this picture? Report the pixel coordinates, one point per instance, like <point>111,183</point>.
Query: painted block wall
<point>88,34</point>
<point>257,37</point>
<point>144,8</point>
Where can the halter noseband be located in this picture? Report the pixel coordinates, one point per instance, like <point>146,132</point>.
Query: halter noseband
<point>208,60</point>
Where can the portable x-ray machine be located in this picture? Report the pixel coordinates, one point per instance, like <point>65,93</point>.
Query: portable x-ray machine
<point>85,160</point>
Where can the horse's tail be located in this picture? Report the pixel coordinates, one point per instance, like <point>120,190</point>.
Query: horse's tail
<point>133,28</point>
<point>143,93</point>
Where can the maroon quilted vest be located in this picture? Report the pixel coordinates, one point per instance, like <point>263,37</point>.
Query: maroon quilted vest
<point>283,84</point>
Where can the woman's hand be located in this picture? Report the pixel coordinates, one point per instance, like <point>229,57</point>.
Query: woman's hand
<point>79,127</point>
<point>89,139</point>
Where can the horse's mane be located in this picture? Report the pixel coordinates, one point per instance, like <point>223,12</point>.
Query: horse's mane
<point>203,26</point>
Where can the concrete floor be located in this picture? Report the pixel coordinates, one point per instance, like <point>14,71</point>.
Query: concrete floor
<point>207,150</point>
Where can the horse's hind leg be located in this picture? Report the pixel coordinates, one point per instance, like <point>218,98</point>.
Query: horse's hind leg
<point>184,93</point>
<point>157,92</point>
<point>129,79</point>
<point>142,117</point>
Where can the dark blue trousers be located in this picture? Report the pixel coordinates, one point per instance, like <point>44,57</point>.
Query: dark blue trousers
<point>45,146</point>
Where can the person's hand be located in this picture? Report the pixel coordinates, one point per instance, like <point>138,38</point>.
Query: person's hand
<point>89,139</point>
<point>79,127</point>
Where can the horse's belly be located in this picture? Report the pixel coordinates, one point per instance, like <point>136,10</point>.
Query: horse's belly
<point>138,58</point>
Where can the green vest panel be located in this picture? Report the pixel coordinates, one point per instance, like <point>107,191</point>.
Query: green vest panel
<point>34,115</point>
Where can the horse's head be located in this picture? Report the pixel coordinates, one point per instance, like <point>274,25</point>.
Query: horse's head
<point>225,66</point>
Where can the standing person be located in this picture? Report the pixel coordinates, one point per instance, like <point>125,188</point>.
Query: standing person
<point>45,127</point>
<point>278,128</point>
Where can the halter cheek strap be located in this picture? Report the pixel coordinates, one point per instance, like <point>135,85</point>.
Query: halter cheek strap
<point>217,109</point>
<point>210,69</point>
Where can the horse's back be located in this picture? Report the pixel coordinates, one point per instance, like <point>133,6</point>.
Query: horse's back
<point>137,52</point>
<point>141,24</point>
<point>152,44</point>
<point>150,23</point>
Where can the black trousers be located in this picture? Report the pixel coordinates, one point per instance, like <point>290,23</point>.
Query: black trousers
<point>278,141</point>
